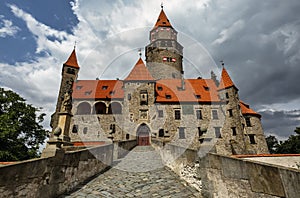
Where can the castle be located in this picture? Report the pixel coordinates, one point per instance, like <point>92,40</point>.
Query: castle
<point>156,102</point>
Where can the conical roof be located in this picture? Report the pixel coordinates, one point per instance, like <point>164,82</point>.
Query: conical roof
<point>139,72</point>
<point>163,20</point>
<point>72,60</point>
<point>226,81</point>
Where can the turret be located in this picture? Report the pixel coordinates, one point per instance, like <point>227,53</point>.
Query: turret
<point>69,75</point>
<point>164,53</point>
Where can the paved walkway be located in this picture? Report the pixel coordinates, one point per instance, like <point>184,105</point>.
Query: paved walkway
<point>139,174</point>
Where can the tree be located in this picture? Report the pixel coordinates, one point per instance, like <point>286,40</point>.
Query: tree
<point>21,132</point>
<point>272,143</point>
<point>291,145</point>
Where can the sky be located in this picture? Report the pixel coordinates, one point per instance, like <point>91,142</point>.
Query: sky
<point>258,41</point>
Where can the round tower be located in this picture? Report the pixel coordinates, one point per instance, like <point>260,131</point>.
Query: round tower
<point>164,54</point>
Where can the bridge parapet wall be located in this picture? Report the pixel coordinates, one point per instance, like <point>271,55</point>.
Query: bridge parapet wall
<point>50,177</point>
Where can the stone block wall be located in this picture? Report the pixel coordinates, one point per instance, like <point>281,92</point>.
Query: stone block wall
<point>50,177</point>
<point>224,176</point>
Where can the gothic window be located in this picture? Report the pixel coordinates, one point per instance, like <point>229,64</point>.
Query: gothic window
<point>199,114</point>
<point>177,114</point>
<point>230,112</point>
<point>233,129</point>
<point>215,114</point>
<point>252,138</point>
<point>218,132</point>
<point>161,133</point>
<point>181,133</point>
<point>160,113</point>
<point>248,122</point>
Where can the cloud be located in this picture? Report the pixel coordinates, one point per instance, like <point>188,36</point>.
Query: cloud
<point>7,28</point>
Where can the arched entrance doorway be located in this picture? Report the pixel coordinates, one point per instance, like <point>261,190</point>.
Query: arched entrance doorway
<point>143,135</point>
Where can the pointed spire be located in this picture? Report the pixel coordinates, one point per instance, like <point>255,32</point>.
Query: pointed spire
<point>72,60</point>
<point>162,20</point>
<point>139,72</point>
<point>226,81</point>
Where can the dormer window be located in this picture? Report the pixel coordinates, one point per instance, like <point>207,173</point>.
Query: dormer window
<point>87,93</point>
<point>168,96</point>
<point>197,96</point>
<point>159,88</point>
<point>78,87</point>
<point>206,88</point>
<point>111,93</point>
<point>104,87</point>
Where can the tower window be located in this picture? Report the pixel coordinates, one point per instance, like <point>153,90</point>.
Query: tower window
<point>160,113</point>
<point>181,133</point>
<point>230,112</point>
<point>129,96</point>
<point>127,136</point>
<point>161,133</point>
<point>218,132</point>
<point>227,95</point>
<point>248,122</point>
<point>199,114</point>
<point>75,128</point>
<point>177,114</point>
<point>85,129</point>
<point>113,128</point>
<point>252,138</point>
<point>233,129</point>
<point>70,71</point>
<point>215,114</point>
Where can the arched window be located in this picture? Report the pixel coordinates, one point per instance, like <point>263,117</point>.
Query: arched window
<point>83,108</point>
<point>115,108</point>
<point>100,108</point>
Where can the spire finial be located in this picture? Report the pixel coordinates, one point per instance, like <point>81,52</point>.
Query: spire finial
<point>75,44</point>
<point>140,52</point>
<point>162,5</point>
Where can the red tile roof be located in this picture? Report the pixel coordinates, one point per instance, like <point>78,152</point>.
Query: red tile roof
<point>196,90</point>
<point>139,73</point>
<point>72,60</point>
<point>246,110</point>
<point>226,81</point>
<point>162,20</point>
<point>98,89</point>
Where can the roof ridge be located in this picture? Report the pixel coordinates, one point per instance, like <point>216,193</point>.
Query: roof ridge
<point>139,72</point>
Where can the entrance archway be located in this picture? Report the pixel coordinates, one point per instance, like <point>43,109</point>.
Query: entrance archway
<point>143,135</point>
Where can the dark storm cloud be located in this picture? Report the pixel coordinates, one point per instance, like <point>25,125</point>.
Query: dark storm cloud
<point>280,123</point>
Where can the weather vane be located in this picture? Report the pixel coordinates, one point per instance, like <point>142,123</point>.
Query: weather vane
<point>75,44</point>
<point>162,5</point>
<point>222,62</point>
<point>140,52</point>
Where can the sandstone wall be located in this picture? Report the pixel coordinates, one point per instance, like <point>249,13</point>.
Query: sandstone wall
<point>50,177</point>
<point>224,176</point>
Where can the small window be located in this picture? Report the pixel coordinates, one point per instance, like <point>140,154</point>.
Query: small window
<point>75,128</point>
<point>206,88</point>
<point>215,114</point>
<point>168,96</point>
<point>230,113</point>
<point>197,96</point>
<point>78,87</point>
<point>200,132</point>
<point>104,87</point>
<point>199,114</point>
<point>85,129</point>
<point>161,133</point>
<point>177,114</point>
<point>127,136</point>
<point>181,133</point>
<point>144,114</point>
<point>70,71</point>
<point>227,95</point>
<point>129,96</point>
<point>113,128</point>
<point>87,93</point>
<point>111,93</point>
<point>233,129</point>
<point>159,88</point>
<point>160,113</point>
<point>252,138</point>
<point>248,122</point>
<point>218,132</point>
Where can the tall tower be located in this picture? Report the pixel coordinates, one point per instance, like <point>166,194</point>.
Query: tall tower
<point>69,75</point>
<point>164,54</point>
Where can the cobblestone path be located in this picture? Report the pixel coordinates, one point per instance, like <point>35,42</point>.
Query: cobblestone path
<point>139,174</point>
